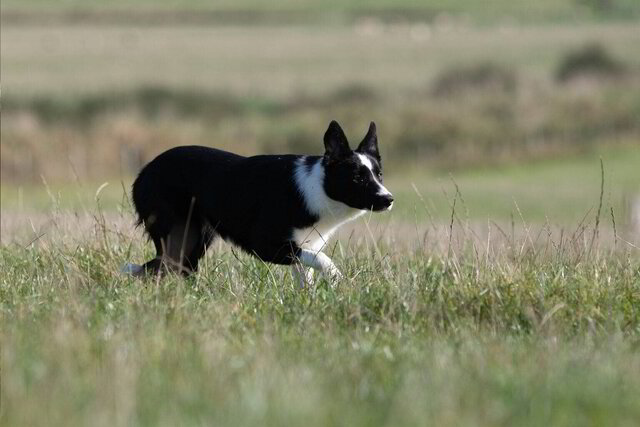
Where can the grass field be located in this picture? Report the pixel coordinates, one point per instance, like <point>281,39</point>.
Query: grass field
<point>514,329</point>
<point>502,290</point>
<point>281,61</point>
<point>560,191</point>
<point>514,336</point>
<point>104,99</point>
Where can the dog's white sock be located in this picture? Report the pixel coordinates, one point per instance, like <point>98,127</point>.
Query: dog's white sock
<point>132,269</point>
<point>301,274</point>
<point>319,261</point>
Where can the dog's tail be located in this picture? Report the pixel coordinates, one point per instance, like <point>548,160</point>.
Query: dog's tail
<point>132,269</point>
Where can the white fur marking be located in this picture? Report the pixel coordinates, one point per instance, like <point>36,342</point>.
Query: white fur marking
<point>319,261</point>
<point>331,213</point>
<point>382,190</point>
<point>311,185</point>
<point>365,161</point>
<point>132,269</point>
<point>301,274</point>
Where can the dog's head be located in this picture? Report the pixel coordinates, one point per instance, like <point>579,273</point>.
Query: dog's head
<point>355,177</point>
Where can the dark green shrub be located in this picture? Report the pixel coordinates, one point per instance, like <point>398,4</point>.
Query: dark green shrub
<point>590,60</point>
<point>482,77</point>
<point>353,93</point>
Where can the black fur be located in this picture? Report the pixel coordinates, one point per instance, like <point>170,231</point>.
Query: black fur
<point>255,208</point>
<point>346,178</point>
<point>188,195</point>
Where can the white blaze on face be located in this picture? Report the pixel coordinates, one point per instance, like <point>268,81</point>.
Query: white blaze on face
<point>382,190</point>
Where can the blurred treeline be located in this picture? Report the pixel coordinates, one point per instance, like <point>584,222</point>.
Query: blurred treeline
<point>474,115</point>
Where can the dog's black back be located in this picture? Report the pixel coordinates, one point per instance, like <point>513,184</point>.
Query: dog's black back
<point>251,201</point>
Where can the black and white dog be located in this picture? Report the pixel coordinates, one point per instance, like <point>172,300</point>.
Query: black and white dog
<point>280,208</point>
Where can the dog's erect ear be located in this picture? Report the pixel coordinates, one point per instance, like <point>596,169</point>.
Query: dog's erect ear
<point>369,144</point>
<point>335,142</point>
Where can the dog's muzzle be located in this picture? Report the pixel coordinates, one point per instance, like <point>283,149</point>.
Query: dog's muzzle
<point>384,203</point>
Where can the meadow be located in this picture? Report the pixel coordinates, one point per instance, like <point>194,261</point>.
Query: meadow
<point>503,289</point>
<point>502,330</point>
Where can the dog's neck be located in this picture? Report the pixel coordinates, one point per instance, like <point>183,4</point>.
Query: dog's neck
<point>309,177</point>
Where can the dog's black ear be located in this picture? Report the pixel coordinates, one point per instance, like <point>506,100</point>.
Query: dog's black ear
<point>369,144</point>
<point>335,142</point>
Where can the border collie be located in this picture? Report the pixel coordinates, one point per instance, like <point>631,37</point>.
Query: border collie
<point>281,208</point>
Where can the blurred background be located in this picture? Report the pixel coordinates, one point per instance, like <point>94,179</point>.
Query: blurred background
<point>502,107</point>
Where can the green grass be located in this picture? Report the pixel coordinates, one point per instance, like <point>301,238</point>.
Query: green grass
<point>531,332</point>
<point>469,330</point>
<point>66,196</point>
<point>561,191</point>
<point>408,338</point>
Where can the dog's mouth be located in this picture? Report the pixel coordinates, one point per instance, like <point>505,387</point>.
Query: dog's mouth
<point>383,205</point>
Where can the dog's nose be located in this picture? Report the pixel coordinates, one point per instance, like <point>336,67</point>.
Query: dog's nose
<point>388,200</point>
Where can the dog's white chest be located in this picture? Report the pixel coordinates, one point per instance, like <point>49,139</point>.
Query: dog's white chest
<point>317,236</point>
<point>314,237</point>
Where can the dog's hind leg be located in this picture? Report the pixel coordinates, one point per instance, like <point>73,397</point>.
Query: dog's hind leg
<point>183,247</point>
<point>132,269</point>
<point>151,267</point>
<point>180,250</point>
<point>199,248</point>
<point>169,249</point>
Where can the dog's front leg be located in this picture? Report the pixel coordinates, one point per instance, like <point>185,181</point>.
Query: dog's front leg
<point>301,274</point>
<point>319,261</point>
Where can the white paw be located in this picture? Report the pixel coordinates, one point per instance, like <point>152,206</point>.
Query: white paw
<point>303,275</point>
<point>132,269</point>
<point>335,274</point>
<point>308,277</point>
